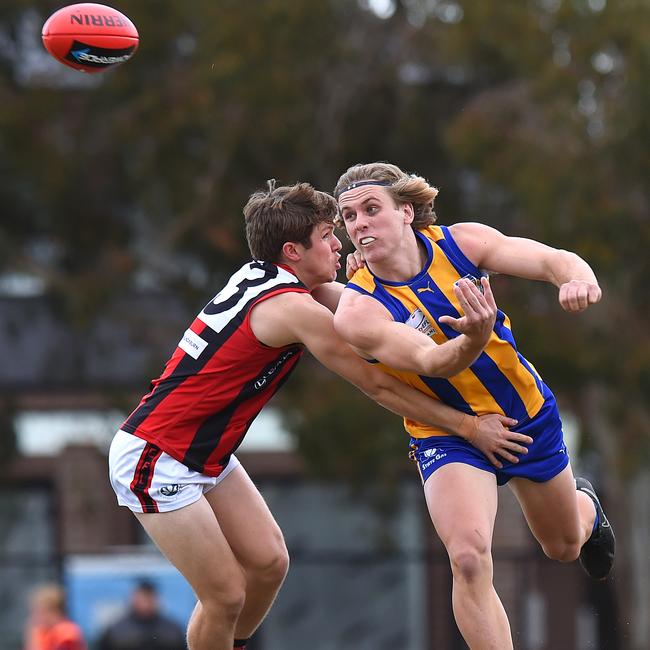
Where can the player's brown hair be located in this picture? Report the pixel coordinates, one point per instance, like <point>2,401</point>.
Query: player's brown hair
<point>403,187</point>
<point>284,214</point>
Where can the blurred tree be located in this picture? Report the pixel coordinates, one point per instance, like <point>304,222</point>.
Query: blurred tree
<point>531,116</point>
<point>561,126</point>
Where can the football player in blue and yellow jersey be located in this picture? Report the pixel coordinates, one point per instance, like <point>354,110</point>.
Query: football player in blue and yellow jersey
<point>401,304</point>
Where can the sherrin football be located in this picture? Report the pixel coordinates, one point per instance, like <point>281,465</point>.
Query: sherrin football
<point>90,37</point>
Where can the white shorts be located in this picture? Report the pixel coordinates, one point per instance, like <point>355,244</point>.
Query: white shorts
<point>146,479</point>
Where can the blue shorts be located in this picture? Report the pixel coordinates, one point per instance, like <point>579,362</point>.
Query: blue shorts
<point>547,455</point>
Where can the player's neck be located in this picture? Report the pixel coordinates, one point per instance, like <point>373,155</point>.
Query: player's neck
<point>302,274</point>
<point>403,263</point>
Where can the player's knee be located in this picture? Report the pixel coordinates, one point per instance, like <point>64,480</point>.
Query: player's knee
<point>280,563</point>
<point>562,550</point>
<point>273,564</point>
<point>470,562</point>
<point>225,603</point>
<point>223,598</point>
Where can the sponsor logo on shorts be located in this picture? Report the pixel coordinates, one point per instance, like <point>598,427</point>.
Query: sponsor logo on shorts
<point>192,343</point>
<point>171,490</point>
<point>432,456</point>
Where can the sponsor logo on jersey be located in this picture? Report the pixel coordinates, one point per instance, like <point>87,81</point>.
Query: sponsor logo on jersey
<point>268,374</point>
<point>192,343</point>
<point>417,320</point>
<point>427,288</point>
<point>471,278</point>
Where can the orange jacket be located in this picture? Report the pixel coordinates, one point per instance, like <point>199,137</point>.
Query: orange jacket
<point>64,635</point>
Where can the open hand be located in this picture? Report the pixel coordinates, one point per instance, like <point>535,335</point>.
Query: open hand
<point>479,310</point>
<point>492,436</point>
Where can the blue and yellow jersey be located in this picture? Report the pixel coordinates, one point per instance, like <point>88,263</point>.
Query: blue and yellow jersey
<point>500,381</point>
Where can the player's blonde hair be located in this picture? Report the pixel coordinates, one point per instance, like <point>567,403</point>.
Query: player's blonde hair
<point>403,187</point>
<point>284,214</point>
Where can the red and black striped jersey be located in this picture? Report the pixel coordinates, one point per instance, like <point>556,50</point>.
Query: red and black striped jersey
<point>219,377</point>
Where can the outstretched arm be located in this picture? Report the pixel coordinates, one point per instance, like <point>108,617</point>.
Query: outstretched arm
<point>491,250</point>
<point>370,329</point>
<point>298,318</point>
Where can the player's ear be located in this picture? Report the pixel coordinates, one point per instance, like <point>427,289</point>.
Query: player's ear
<point>291,252</point>
<point>409,213</point>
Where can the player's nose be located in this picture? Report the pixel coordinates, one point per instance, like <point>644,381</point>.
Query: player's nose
<point>360,222</point>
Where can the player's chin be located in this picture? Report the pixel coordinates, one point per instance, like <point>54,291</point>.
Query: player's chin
<point>372,254</point>
<point>328,277</point>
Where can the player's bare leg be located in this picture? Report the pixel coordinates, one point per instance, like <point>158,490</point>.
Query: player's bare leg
<point>192,540</point>
<point>462,502</point>
<point>563,528</point>
<point>257,542</point>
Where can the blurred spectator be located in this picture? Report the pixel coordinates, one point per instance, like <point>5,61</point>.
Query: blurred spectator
<point>48,628</point>
<point>143,627</point>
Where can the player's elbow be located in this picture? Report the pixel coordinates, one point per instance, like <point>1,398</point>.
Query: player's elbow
<point>377,386</point>
<point>443,371</point>
<point>347,328</point>
<point>342,326</point>
<point>446,368</point>
<point>560,264</point>
<point>437,364</point>
<point>380,394</point>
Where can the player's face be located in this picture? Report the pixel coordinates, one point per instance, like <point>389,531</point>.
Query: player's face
<point>320,262</point>
<point>374,223</point>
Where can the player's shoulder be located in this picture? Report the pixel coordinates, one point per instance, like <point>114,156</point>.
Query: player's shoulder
<point>289,298</point>
<point>472,236</point>
<point>285,307</point>
<point>433,231</point>
<point>469,228</point>
<point>287,318</point>
<point>362,280</point>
